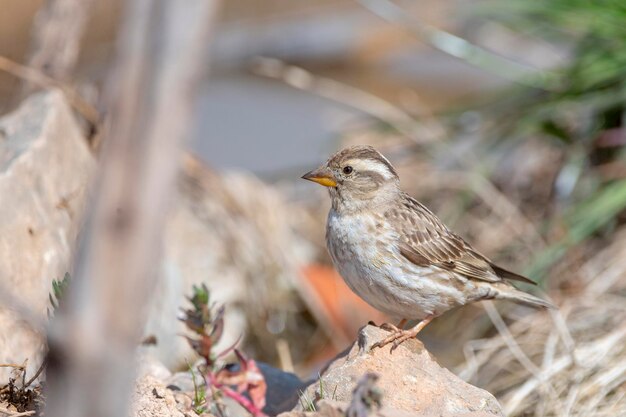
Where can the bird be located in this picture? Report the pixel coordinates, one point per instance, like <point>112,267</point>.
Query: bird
<point>396,254</point>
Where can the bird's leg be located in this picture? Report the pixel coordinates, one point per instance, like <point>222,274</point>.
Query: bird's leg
<point>399,336</point>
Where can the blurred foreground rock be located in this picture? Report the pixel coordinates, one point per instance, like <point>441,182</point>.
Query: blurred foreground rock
<point>411,381</point>
<point>45,167</point>
<point>230,231</point>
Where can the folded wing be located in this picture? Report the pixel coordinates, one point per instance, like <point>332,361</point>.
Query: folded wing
<point>426,241</point>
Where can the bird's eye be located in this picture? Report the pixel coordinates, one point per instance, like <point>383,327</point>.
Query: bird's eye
<point>347,170</point>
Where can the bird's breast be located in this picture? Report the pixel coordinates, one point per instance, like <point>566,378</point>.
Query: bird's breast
<point>366,240</point>
<point>365,253</point>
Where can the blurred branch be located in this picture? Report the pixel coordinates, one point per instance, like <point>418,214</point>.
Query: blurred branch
<point>58,30</point>
<point>461,48</point>
<point>353,97</point>
<point>42,80</point>
<point>162,51</point>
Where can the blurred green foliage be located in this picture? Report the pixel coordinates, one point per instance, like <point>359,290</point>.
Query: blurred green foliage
<point>582,112</point>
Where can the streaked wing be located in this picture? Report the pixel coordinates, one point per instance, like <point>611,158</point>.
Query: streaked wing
<point>426,241</point>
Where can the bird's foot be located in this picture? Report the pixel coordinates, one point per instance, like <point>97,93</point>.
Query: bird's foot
<point>399,336</point>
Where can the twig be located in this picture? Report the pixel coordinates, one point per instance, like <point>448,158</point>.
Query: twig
<point>358,99</point>
<point>461,48</point>
<point>284,355</point>
<point>37,77</point>
<point>216,400</point>
<point>22,369</point>
<point>16,413</point>
<point>39,371</point>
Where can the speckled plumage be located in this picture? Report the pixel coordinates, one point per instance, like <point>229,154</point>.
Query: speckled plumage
<point>394,252</point>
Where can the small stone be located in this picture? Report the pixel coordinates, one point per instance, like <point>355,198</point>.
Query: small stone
<point>184,401</point>
<point>152,399</point>
<point>159,392</point>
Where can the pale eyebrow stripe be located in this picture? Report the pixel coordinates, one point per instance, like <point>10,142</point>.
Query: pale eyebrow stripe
<point>373,165</point>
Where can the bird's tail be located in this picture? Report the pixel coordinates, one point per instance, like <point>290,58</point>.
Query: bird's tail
<point>515,295</point>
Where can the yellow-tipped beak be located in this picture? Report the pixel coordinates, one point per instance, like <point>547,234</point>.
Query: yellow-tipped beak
<point>322,176</point>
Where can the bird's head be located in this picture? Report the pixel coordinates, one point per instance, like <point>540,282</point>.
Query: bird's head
<point>357,177</point>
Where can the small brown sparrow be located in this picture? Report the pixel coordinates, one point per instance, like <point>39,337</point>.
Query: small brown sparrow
<point>395,253</point>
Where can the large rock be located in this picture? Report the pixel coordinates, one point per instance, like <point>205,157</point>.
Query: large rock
<point>45,167</point>
<point>411,380</point>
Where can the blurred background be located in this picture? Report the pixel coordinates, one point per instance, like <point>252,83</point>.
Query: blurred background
<point>505,118</point>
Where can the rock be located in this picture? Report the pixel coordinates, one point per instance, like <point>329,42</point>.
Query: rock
<point>152,399</point>
<point>410,379</point>
<point>45,167</point>
<point>330,408</point>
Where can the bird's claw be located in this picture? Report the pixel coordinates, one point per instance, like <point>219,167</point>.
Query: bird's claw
<point>405,336</point>
<point>397,337</point>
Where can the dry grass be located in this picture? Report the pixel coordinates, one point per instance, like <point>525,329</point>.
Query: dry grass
<point>573,364</point>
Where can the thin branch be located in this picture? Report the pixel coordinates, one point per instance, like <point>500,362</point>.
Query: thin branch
<point>461,48</point>
<point>39,371</point>
<point>42,80</point>
<point>353,97</point>
<point>11,365</point>
<point>15,413</point>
